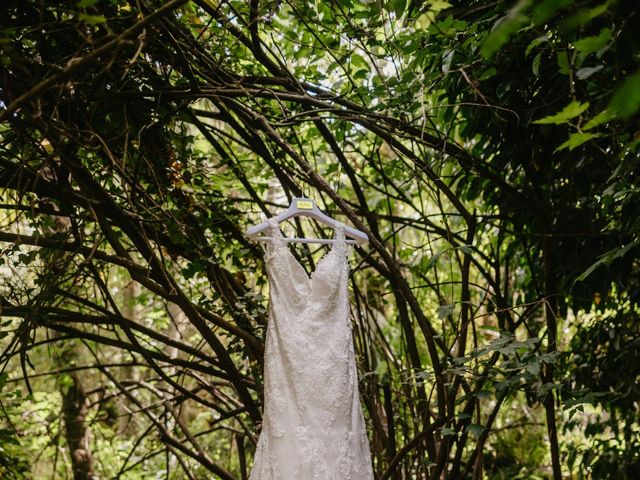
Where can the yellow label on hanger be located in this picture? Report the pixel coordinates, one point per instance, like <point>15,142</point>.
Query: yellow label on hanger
<point>304,204</point>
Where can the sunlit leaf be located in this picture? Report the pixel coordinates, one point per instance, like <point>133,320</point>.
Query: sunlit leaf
<point>85,17</point>
<point>577,139</point>
<point>567,113</point>
<point>603,117</point>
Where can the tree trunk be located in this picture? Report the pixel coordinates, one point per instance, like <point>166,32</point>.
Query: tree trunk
<point>547,375</point>
<point>75,409</point>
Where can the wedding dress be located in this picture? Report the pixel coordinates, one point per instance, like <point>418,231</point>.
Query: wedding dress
<point>313,426</point>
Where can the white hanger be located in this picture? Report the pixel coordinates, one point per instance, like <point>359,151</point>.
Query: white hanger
<point>302,206</point>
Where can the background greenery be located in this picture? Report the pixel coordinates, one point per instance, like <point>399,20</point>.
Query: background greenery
<point>488,148</point>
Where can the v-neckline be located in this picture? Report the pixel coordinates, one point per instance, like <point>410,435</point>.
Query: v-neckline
<point>326,255</point>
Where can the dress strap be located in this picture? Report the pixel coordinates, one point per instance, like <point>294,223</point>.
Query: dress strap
<point>277,239</point>
<point>339,237</point>
<point>276,234</point>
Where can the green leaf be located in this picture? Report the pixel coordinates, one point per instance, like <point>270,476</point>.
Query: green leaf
<point>533,368</point>
<point>25,258</point>
<point>577,139</point>
<point>588,45</point>
<point>567,113</point>
<point>504,28</point>
<point>535,65</point>
<point>381,369</point>
<point>585,15</point>
<point>573,411</point>
<point>361,74</point>
<point>483,394</point>
<point>396,6</point>
<point>439,5</point>
<point>427,18</point>
<point>475,429</point>
<point>626,100</point>
<point>603,117</point>
<point>586,72</point>
<point>563,62</point>
<point>192,269</point>
<point>467,249</point>
<point>488,73</point>
<point>534,43</point>
<point>548,357</point>
<point>93,19</point>
<point>545,9</point>
<point>8,436</point>
<point>86,3</point>
<point>447,58</point>
<point>445,432</point>
<point>445,310</point>
<point>607,258</point>
<point>433,260</point>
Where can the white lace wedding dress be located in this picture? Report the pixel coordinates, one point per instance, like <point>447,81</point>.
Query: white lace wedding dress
<point>312,427</point>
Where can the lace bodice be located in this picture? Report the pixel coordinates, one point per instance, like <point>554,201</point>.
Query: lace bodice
<point>313,426</point>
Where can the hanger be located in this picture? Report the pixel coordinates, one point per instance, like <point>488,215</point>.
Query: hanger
<point>302,206</point>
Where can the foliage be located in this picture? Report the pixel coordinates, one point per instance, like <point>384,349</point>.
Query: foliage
<point>488,149</point>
